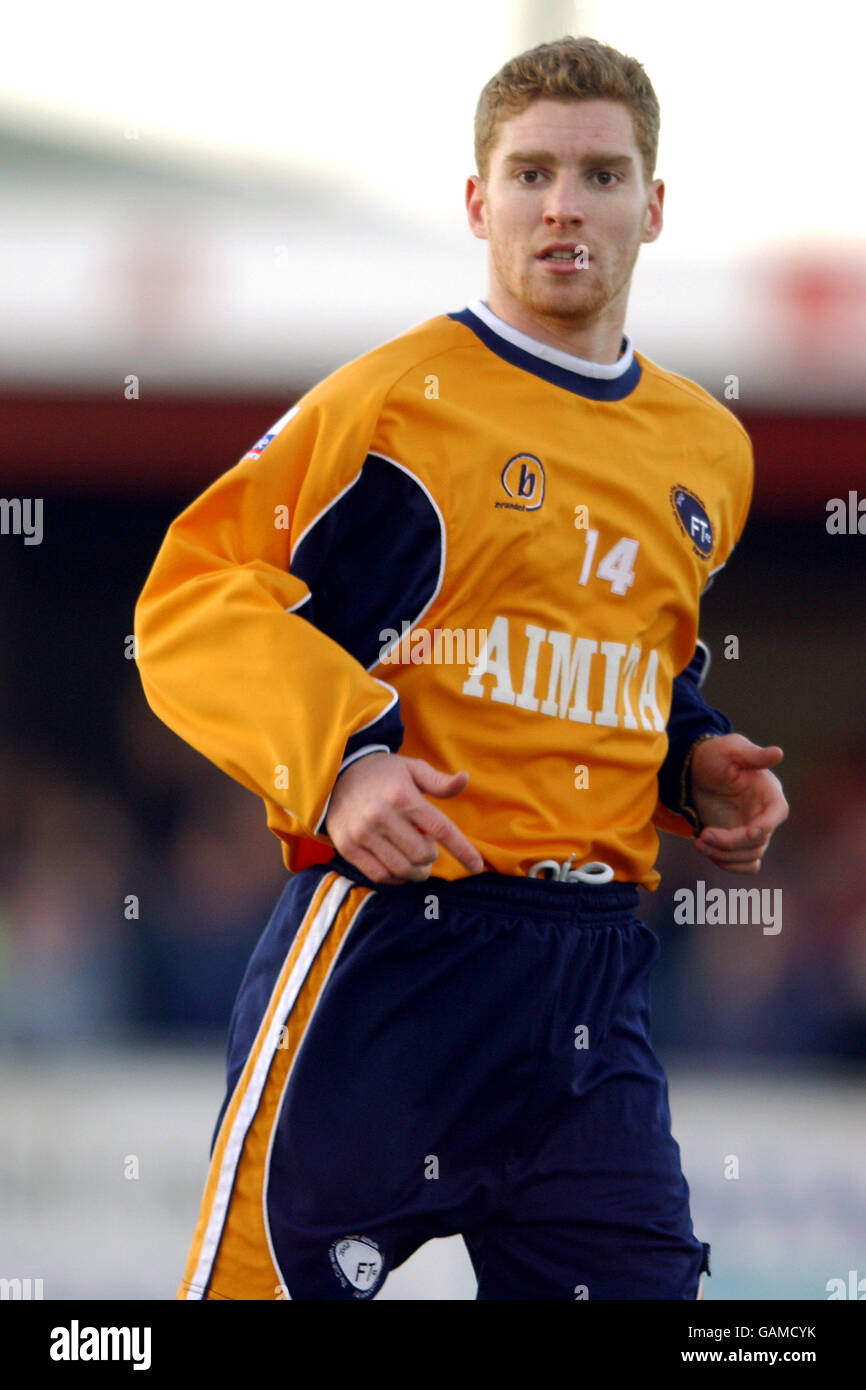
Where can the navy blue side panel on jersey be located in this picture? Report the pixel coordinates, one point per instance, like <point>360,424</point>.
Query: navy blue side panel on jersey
<point>594,388</point>
<point>691,718</point>
<point>385,525</point>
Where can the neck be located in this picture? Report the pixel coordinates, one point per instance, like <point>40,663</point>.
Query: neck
<point>596,341</point>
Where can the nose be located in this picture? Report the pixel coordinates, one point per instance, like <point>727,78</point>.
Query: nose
<point>564,203</point>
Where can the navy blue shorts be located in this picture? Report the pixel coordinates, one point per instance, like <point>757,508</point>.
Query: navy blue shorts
<point>438,1058</point>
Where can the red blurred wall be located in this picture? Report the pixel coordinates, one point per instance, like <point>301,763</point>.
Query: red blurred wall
<point>174,446</point>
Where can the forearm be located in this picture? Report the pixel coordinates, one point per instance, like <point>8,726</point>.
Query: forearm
<point>691,721</point>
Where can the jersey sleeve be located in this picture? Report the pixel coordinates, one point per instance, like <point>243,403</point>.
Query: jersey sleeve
<point>231,650</point>
<point>691,720</point>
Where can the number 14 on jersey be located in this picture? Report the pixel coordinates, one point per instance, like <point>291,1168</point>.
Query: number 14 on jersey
<point>617,566</point>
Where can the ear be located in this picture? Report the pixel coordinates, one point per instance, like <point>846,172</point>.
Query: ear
<point>654,217</point>
<point>476,206</point>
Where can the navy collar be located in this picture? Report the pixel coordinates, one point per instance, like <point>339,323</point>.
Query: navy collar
<point>598,381</point>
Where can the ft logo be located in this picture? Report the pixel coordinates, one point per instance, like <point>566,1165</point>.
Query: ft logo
<point>523,480</point>
<point>357,1261</point>
<point>691,514</point>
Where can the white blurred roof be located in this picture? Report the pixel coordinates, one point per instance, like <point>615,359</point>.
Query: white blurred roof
<point>241,202</point>
<point>239,280</point>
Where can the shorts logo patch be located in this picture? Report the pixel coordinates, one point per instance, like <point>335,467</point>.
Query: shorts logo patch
<point>691,514</point>
<point>358,1261</point>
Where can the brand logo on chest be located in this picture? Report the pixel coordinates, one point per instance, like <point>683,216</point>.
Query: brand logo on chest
<point>523,481</point>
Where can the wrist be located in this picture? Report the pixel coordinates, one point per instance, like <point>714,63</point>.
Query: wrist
<point>688,808</point>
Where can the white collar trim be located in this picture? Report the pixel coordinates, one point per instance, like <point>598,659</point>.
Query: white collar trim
<point>606,371</point>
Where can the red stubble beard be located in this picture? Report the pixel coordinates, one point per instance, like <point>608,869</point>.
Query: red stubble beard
<point>580,295</point>
<point>577,298</point>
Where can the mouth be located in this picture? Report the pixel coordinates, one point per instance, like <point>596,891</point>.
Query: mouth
<point>565,257</point>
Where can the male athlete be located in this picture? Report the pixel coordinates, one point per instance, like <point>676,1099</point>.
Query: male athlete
<point>467,567</point>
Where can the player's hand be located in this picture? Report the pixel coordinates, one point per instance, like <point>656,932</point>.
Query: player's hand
<point>380,820</point>
<point>739,801</point>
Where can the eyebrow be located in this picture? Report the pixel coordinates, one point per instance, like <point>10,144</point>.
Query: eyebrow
<point>548,157</point>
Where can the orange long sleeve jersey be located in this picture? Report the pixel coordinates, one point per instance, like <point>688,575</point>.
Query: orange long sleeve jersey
<point>471,548</point>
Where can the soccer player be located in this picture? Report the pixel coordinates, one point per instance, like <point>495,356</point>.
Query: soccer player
<point>464,572</point>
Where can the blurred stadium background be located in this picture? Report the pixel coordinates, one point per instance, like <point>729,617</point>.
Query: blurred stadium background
<point>203,216</point>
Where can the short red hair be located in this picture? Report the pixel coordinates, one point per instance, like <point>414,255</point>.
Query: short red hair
<point>570,69</point>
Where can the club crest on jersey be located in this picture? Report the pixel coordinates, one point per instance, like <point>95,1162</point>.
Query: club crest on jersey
<point>690,512</point>
<point>357,1261</point>
<point>523,480</point>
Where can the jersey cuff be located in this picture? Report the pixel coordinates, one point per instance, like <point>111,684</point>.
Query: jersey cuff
<point>384,735</point>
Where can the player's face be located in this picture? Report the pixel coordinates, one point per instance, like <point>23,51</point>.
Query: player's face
<point>565,173</point>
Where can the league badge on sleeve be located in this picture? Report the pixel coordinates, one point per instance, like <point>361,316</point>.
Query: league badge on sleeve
<point>691,514</point>
<point>261,444</point>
